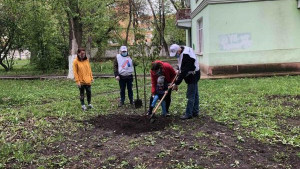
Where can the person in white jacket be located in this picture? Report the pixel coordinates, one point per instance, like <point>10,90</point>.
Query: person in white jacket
<point>123,70</point>
<point>189,71</point>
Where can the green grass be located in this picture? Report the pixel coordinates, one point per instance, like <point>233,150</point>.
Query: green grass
<point>245,103</point>
<point>37,113</point>
<point>23,67</point>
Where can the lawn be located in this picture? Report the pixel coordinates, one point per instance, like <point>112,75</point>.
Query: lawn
<point>24,68</point>
<point>244,123</point>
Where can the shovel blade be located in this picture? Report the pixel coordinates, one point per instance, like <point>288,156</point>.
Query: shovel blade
<point>138,103</point>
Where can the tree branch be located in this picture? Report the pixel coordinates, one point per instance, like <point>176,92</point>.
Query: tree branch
<point>174,4</point>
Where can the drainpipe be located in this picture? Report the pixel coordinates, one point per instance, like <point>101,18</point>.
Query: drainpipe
<point>190,37</point>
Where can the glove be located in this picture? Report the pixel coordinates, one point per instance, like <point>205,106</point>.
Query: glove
<point>175,87</point>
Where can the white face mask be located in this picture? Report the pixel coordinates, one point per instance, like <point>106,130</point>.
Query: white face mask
<point>124,54</point>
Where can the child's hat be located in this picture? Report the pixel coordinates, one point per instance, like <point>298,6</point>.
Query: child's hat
<point>160,80</point>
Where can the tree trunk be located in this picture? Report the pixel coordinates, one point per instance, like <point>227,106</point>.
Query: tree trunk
<point>20,53</point>
<point>89,47</point>
<point>182,4</point>
<point>160,29</point>
<point>172,1</point>
<point>75,35</point>
<point>160,19</point>
<point>134,20</point>
<point>163,25</point>
<point>3,54</point>
<point>145,94</point>
<point>129,22</point>
<point>73,46</point>
<point>4,66</point>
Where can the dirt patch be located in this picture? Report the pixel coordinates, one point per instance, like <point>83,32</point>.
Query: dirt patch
<point>130,141</point>
<point>288,100</point>
<point>272,97</point>
<point>130,124</point>
<point>293,121</point>
<point>291,104</point>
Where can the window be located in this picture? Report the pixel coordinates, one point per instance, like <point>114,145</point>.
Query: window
<point>200,36</point>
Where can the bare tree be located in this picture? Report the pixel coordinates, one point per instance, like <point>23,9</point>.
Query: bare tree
<point>160,24</point>
<point>182,4</point>
<point>130,19</point>
<point>4,52</point>
<point>174,4</point>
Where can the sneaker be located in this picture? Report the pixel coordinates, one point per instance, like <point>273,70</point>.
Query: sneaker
<point>83,107</point>
<point>168,114</point>
<point>185,117</point>
<point>131,102</point>
<point>165,115</point>
<point>90,106</point>
<point>120,104</point>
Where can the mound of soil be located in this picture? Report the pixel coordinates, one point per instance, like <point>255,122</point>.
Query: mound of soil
<point>196,143</point>
<point>130,124</point>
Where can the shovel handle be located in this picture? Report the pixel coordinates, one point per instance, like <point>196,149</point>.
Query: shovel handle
<point>162,99</point>
<point>136,85</point>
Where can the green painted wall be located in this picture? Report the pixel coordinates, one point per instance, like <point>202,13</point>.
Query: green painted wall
<point>250,33</point>
<point>204,15</point>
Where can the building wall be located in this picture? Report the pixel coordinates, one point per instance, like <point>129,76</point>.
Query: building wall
<point>204,15</point>
<point>250,33</point>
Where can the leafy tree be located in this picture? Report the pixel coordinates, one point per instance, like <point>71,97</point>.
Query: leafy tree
<point>44,40</point>
<point>10,31</point>
<point>144,54</point>
<point>100,19</point>
<point>172,33</point>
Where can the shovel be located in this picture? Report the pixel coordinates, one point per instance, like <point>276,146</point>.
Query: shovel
<point>138,102</point>
<point>152,117</point>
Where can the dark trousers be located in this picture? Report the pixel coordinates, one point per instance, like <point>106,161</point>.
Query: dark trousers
<point>167,99</point>
<point>192,94</point>
<point>123,83</point>
<point>87,88</point>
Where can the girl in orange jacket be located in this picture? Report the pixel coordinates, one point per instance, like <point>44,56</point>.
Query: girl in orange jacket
<point>83,77</point>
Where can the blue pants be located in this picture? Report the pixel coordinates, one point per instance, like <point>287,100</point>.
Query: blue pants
<point>192,107</point>
<point>123,83</point>
<point>163,104</point>
<point>167,100</point>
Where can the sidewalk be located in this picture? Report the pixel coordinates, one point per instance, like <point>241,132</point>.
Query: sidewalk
<point>203,76</point>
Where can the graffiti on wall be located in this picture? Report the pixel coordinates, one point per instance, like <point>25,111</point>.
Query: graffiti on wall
<point>236,41</point>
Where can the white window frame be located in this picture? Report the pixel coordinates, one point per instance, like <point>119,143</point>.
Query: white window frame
<point>200,36</point>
